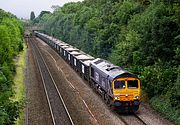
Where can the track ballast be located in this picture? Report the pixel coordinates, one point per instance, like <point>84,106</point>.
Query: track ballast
<point>58,109</point>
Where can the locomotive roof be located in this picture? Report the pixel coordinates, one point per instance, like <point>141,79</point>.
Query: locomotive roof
<point>110,69</point>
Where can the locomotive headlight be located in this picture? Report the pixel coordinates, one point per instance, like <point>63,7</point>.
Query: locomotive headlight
<point>136,97</point>
<point>116,98</point>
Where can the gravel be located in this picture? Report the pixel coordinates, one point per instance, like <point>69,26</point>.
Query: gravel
<point>37,111</point>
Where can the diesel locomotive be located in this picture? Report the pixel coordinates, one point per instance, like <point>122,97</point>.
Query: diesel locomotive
<point>118,87</point>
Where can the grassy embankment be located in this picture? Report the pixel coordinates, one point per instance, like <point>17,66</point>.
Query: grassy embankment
<point>19,82</point>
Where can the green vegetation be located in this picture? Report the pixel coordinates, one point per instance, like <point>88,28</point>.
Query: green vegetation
<point>10,44</point>
<point>142,36</point>
<point>19,86</point>
<point>36,20</point>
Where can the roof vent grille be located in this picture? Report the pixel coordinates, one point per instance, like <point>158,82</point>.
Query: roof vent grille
<point>111,68</point>
<point>99,61</point>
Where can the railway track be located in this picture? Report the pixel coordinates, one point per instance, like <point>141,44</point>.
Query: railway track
<point>137,117</point>
<point>130,119</point>
<point>57,107</point>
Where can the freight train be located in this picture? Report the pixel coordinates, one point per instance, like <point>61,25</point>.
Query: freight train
<point>118,87</point>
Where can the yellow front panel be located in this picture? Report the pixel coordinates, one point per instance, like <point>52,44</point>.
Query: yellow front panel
<point>126,94</point>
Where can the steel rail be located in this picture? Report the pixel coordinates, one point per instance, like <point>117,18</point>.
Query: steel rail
<point>43,82</point>
<point>137,117</point>
<point>133,115</point>
<point>49,103</point>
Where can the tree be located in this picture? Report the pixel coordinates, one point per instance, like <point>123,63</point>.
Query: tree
<point>32,16</point>
<point>11,35</point>
<point>43,12</point>
<point>55,7</point>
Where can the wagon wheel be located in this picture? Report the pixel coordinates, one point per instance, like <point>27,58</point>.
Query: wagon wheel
<point>103,95</point>
<point>94,87</point>
<point>107,100</point>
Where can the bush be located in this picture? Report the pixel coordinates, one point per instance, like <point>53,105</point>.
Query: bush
<point>163,105</point>
<point>158,79</point>
<point>10,45</point>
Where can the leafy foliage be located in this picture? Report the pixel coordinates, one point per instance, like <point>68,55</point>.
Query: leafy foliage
<point>139,35</point>
<point>10,44</point>
<point>36,20</point>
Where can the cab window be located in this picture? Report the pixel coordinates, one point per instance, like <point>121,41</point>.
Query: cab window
<point>132,83</point>
<point>119,84</point>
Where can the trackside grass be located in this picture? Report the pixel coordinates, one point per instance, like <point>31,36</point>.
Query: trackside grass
<point>19,82</point>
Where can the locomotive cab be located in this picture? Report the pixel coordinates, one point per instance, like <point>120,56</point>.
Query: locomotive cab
<point>126,93</point>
